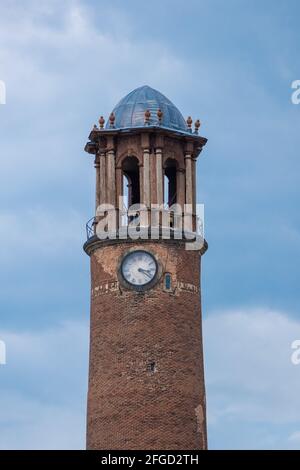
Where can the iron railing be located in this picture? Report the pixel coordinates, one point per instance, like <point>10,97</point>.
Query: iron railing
<point>126,218</point>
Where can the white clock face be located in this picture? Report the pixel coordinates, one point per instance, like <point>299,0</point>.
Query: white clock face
<point>139,268</point>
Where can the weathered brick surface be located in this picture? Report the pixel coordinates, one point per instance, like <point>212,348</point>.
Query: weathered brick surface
<point>129,405</point>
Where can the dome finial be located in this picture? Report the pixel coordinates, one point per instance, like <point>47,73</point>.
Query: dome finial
<point>112,120</point>
<point>189,122</point>
<point>160,115</point>
<point>197,125</point>
<point>101,122</point>
<point>147,116</point>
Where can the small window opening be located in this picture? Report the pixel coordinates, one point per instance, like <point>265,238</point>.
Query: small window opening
<point>168,281</point>
<point>131,181</point>
<point>151,366</point>
<point>170,186</point>
<point>131,186</point>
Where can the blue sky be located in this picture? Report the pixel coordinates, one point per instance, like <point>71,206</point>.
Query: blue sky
<point>231,64</point>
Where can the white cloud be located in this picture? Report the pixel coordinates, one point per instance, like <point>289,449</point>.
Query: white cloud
<point>27,424</point>
<point>252,386</point>
<point>62,70</point>
<point>39,231</point>
<point>295,438</point>
<point>78,52</point>
<point>250,378</point>
<point>43,391</point>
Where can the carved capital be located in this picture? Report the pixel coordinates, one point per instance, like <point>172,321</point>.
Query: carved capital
<point>159,141</point>
<point>189,147</point>
<point>110,145</point>
<point>145,141</point>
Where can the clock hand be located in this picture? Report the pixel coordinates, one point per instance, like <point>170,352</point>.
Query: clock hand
<point>145,271</point>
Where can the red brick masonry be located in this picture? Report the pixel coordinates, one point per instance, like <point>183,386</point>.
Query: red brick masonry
<point>146,379</point>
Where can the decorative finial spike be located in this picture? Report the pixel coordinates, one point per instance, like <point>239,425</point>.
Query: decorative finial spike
<point>197,125</point>
<point>112,120</point>
<point>95,128</point>
<point>189,122</point>
<point>147,116</point>
<point>160,115</point>
<point>101,122</point>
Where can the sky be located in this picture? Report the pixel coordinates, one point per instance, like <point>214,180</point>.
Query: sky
<point>230,64</point>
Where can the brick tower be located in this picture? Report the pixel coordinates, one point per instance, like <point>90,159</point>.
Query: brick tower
<point>146,378</point>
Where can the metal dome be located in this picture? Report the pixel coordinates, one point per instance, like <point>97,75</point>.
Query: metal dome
<point>130,111</point>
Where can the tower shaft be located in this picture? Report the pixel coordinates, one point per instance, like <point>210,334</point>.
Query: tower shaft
<point>146,374</point>
<point>146,380</point>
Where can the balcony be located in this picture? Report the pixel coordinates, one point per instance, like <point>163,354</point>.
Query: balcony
<point>156,224</point>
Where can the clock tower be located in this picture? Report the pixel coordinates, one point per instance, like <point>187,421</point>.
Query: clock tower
<point>146,376</point>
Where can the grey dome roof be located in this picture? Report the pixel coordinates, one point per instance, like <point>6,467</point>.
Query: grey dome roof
<point>130,111</point>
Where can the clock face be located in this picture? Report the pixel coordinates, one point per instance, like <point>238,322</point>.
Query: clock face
<point>139,268</point>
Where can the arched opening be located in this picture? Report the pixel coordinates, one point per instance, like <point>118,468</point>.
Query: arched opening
<point>131,181</point>
<point>170,186</point>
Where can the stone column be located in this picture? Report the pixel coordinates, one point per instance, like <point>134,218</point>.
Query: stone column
<point>159,177</point>
<point>188,180</point>
<point>102,178</point>
<point>153,182</point>
<point>119,190</point>
<point>194,176</point>
<point>146,177</point>
<point>119,181</point>
<point>180,182</point>
<point>111,177</point>
<point>141,175</point>
<point>97,189</point>
<point>146,191</point>
<point>188,217</point>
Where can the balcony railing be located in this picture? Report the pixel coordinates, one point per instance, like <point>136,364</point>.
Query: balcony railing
<point>163,221</point>
<point>90,228</point>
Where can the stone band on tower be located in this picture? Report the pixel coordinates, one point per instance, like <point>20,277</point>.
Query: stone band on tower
<point>146,377</point>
